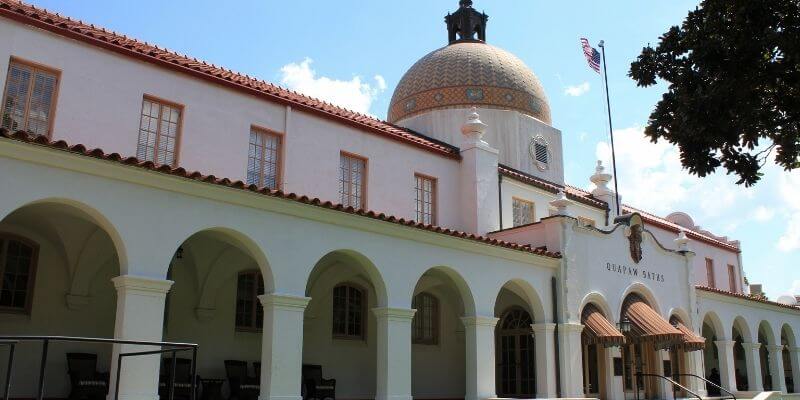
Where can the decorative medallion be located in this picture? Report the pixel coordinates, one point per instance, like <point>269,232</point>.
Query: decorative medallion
<point>411,104</point>
<point>438,97</point>
<point>474,94</point>
<point>635,242</point>
<point>509,97</point>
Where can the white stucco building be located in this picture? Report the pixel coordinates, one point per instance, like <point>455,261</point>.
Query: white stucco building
<point>436,255</point>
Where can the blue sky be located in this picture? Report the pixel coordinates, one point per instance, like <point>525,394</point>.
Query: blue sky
<point>354,52</point>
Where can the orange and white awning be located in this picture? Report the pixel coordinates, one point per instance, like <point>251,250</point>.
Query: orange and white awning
<point>648,326</point>
<point>598,329</point>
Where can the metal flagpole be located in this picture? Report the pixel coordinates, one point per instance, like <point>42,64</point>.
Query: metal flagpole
<point>610,128</point>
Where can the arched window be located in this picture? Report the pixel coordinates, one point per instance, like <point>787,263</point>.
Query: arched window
<point>17,272</point>
<point>249,313</point>
<point>425,326</point>
<point>349,311</point>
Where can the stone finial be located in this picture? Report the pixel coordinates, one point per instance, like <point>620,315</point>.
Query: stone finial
<point>600,180</point>
<point>474,128</point>
<point>560,203</point>
<point>682,242</point>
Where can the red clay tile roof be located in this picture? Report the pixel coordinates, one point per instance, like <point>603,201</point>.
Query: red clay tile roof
<point>74,29</point>
<point>585,197</point>
<point>571,192</point>
<point>745,297</point>
<point>81,150</point>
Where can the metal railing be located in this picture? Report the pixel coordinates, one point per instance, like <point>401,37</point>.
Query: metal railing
<point>674,385</point>
<point>166,347</point>
<point>732,396</point>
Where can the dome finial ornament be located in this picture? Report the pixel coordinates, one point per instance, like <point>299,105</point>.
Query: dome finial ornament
<point>466,23</point>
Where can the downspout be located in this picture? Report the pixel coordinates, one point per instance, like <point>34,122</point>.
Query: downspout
<point>500,197</point>
<point>557,342</point>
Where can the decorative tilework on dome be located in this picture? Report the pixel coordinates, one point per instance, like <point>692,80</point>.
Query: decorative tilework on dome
<point>467,74</point>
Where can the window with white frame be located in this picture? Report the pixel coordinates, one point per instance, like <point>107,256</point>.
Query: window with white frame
<point>29,98</point>
<point>522,211</point>
<point>425,199</point>
<point>159,129</point>
<point>264,159</point>
<point>732,286</point>
<point>352,180</point>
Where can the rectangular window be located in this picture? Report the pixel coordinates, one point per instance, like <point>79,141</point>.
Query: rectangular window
<point>712,283</point>
<point>349,306</point>
<point>352,180</point>
<point>29,99</point>
<point>425,199</point>
<point>159,130</point>
<point>17,270</point>
<point>522,212</point>
<point>249,313</point>
<point>425,325</point>
<point>264,159</point>
<point>732,286</point>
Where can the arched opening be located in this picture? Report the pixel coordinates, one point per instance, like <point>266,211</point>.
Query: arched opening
<point>679,354</point>
<point>739,353</point>
<point>649,334</point>
<point>711,356</point>
<point>218,275</point>
<point>765,338</point>
<point>788,342</point>
<point>598,337</point>
<point>517,308</point>
<point>339,329</point>
<point>57,260</point>
<point>438,349</point>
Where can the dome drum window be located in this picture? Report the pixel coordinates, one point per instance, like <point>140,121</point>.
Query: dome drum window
<point>540,152</point>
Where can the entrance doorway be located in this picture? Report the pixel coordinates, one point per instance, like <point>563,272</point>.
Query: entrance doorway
<point>517,362</point>
<point>640,360</point>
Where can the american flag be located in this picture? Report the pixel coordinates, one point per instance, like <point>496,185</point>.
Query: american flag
<point>592,55</point>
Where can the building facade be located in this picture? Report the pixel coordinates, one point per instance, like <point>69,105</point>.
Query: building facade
<point>436,255</point>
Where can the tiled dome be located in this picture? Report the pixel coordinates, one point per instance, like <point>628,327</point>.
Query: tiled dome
<point>466,74</point>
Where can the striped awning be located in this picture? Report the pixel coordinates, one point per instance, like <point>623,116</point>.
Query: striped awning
<point>691,342</point>
<point>597,329</point>
<point>648,326</point>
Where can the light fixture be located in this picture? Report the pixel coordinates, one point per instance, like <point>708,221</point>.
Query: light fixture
<point>624,325</point>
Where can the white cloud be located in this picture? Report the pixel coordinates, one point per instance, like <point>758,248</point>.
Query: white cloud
<point>763,214</point>
<point>795,289</point>
<point>577,90</point>
<point>353,94</point>
<point>651,177</point>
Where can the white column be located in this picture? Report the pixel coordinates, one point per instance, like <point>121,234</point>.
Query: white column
<point>545,360</point>
<point>727,368</point>
<point>140,316</point>
<point>282,346</point>
<point>794,359</point>
<point>479,334</point>
<point>571,360</point>
<point>697,368</point>
<point>776,367</point>
<point>614,384</point>
<point>394,353</point>
<point>753,360</point>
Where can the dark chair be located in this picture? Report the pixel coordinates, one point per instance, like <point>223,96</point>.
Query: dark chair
<point>242,385</point>
<point>86,381</point>
<point>315,386</point>
<point>183,378</point>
